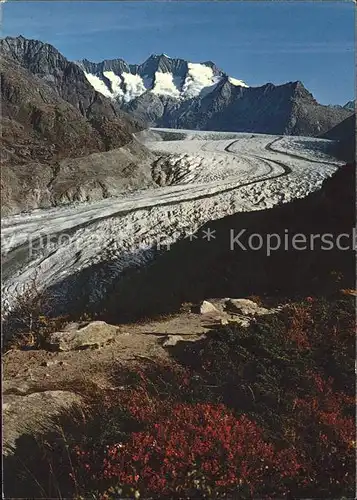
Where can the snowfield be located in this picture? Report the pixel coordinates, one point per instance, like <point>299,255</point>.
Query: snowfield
<point>205,176</point>
<point>199,80</point>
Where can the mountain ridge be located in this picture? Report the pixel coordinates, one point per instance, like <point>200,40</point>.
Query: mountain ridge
<point>172,93</point>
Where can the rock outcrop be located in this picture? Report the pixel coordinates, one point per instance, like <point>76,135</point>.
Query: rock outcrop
<point>93,335</point>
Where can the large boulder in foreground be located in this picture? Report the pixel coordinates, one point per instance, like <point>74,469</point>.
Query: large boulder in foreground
<point>245,307</point>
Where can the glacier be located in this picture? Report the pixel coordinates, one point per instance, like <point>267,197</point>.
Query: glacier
<point>217,174</point>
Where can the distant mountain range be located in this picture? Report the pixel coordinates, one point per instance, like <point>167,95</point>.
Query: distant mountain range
<point>175,93</point>
<point>345,133</point>
<point>172,93</point>
<point>175,78</point>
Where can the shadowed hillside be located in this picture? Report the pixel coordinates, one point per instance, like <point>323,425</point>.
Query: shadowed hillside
<point>192,271</point>
<point>345,134</point>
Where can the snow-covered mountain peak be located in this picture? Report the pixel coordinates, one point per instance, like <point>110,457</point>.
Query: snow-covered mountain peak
<point>159,74</point>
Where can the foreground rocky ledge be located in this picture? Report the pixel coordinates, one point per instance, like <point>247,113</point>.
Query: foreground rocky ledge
<point>39,384</point>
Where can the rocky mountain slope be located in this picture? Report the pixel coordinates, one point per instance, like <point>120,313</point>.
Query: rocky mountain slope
<point>61,140</point>
<point>70,83</point>
<point>175,93</point>
<point>345,134</point>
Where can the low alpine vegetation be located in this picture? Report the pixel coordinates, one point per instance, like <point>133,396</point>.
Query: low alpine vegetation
<point>259,412</point>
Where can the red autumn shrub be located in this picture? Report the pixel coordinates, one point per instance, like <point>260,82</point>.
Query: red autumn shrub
<point>299,326</point>
<point>325,436</point>
<point>200,448</point>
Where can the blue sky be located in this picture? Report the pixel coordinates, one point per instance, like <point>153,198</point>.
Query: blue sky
<point>257,42</point>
